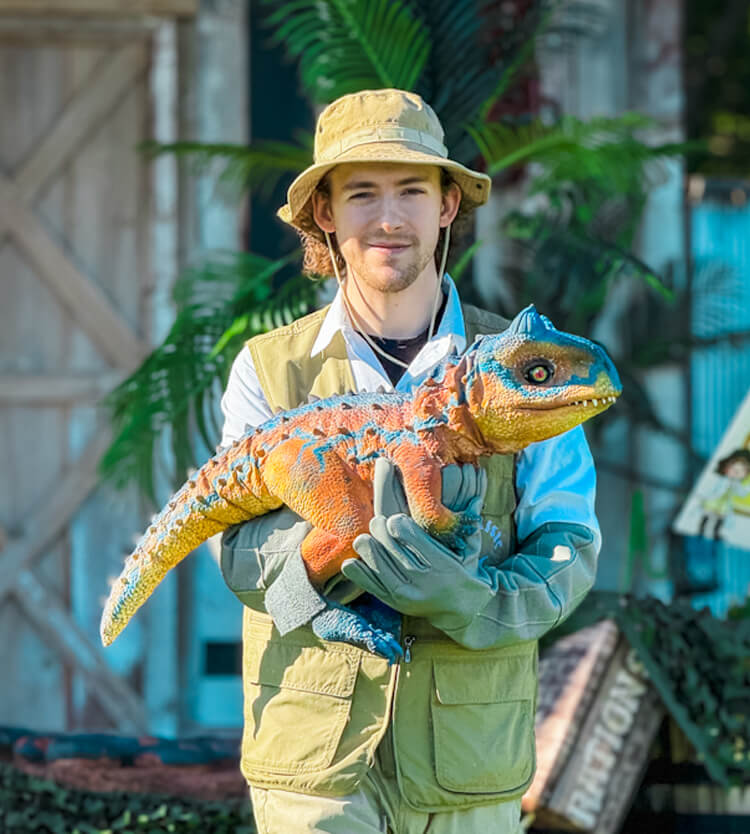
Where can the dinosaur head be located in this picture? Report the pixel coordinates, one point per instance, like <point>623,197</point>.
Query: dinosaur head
<point>533,381</point>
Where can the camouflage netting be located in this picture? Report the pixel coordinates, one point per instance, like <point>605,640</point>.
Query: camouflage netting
<point>91,782</point>
<point>195,781</point>
<point>28,803</point>
<point>199,768</point>
<point>701,667</point>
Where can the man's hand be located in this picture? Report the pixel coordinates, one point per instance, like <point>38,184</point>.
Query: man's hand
<point>408,569</point>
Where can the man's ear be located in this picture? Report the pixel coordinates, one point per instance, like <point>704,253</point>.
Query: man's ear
<point>321,206</point>
<point>450,204</point>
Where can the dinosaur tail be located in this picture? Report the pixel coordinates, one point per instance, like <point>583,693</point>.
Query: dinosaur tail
<point>222,493</point>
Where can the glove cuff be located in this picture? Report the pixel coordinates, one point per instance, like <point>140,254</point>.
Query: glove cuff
<point>291,599</point>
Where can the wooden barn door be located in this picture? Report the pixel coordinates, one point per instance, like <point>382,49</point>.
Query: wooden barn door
<point>78,219</point>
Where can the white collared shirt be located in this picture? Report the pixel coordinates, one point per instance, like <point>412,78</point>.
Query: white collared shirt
<point>555,479</point>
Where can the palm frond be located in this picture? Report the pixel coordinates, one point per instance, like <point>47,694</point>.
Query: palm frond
<point>458,270</point>
<point>599,145</point>
<point>568,272</point>
<point>467,70</point>
<point>661,330</point>
<point>156,411</point>
<point>259,166</point>
<point>344,46</point>
<point>523,44</point>
<point>458,76</point>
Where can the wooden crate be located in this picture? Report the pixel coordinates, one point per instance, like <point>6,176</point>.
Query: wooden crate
<point>597,717</point>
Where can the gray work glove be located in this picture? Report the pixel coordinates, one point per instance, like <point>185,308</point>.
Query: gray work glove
<point>411,571</point>
<point>261,564</point>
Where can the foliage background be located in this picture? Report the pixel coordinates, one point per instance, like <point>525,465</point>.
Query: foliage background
<point>717,84</point>
<point>587,186</point>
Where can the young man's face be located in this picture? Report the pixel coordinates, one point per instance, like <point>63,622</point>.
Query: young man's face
<point>387,219</point>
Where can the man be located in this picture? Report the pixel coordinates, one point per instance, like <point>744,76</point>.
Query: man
<point>336,738</point>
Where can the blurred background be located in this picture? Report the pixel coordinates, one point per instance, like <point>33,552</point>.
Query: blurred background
<point>144,149</point>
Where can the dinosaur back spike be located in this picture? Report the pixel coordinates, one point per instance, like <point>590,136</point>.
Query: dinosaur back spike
<point>530,323</point>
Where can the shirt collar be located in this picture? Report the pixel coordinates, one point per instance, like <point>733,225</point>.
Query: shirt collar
<point>451,324</point>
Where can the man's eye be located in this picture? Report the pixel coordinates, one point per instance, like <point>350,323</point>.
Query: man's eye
<point>414,191</point>
<point>360,195</point>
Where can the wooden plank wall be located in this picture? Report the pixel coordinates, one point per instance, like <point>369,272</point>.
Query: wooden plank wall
<point>118,8</point>
<point>76,282</point>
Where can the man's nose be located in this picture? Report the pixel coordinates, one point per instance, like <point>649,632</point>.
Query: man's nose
<point>391,218</point>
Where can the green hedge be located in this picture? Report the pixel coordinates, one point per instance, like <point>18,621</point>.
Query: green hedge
<point>29,804</point>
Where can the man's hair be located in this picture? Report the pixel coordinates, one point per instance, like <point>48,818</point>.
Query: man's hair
<point>317,260</point>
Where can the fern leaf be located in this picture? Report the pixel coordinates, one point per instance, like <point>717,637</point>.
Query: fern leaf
<point>344,46</point>
<point>219,305</point>
<point>259,166</point>
<point>600,260</point>
<point>570,148</point>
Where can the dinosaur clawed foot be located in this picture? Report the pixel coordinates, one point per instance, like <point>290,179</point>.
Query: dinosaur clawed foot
<point>378,614</point>
<point>369,627</point>
<point>467,522</point>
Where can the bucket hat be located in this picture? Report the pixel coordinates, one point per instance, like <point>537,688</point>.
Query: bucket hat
<point>376,126</point>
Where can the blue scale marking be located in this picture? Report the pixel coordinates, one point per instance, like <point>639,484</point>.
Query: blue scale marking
<point>131,581</point>
<point>430,423</point>
<point>251,461</point>
<point>386,436</point>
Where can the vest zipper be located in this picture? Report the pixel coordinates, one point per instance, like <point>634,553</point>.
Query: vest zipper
<point>409,641</point>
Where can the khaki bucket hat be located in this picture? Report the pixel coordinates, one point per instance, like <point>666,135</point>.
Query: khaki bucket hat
<point>376,126</point>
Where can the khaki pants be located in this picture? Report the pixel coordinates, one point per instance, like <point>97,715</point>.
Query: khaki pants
<point>376,808</point>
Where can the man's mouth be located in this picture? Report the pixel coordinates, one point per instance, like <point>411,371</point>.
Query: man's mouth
<point>389,247</point>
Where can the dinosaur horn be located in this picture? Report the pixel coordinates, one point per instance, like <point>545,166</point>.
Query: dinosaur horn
<point>530,323</point>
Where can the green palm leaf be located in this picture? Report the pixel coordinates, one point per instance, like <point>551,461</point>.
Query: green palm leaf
<point>344,46</point>
<point>599,144</point>
<point>568,271</point>
<point>458,75</point>
<point>168,406</point>
<point>594,177</point>
<point>258,166</point>
<point>518,47</point>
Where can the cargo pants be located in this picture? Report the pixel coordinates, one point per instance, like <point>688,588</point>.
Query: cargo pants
<point>377,807</point>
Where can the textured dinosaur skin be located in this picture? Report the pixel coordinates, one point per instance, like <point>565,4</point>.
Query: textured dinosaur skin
<point>506,391</point>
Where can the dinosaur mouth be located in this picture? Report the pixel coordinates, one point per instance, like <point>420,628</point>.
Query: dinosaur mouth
<point>593,402</point>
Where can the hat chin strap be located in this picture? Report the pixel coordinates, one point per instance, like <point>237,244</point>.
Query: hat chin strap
<point>358,321</point>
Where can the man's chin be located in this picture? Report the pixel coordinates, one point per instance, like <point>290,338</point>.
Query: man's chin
<point>389,279</point>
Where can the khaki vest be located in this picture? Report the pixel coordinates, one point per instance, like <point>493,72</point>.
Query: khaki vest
<point>315,711</point>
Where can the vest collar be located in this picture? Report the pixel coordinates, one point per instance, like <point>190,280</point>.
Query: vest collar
<point>451,331</point>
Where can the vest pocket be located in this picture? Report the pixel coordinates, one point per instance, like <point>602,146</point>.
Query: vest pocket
<point>297,704</point>
<point>482,721</point>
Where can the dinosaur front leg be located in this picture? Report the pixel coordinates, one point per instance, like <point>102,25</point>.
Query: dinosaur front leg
<point>423,480</point>
<point>323,488</point>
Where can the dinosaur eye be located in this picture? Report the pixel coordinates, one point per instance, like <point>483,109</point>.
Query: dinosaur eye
<point>539,373</point>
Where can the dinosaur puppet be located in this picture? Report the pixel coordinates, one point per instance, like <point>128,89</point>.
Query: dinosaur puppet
<point>506,391</point>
